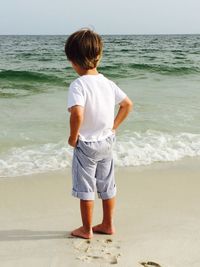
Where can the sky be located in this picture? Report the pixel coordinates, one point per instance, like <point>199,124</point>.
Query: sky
<point>103,16</point>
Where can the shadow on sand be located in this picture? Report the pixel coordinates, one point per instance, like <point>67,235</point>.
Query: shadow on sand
<point>22,234</point>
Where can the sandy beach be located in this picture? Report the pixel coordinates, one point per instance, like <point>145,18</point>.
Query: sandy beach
<point>157,219</point>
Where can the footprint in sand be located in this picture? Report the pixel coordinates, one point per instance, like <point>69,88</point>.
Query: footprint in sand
<point>99,250</point>
<point>150,264</point>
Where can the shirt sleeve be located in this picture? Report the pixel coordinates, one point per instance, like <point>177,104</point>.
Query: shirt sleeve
<point>75,96</point>
<point>119,94</point>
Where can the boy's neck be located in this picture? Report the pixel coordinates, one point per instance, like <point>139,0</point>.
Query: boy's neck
<point>82,71</point>
<point>89,72</point>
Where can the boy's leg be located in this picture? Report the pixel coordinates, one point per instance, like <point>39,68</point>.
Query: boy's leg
<point>83,178</point>
<point>85,231</point>
<point>106,227</point>
<point>106,189</point>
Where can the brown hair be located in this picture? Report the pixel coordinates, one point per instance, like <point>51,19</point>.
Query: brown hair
<point>84,48</point>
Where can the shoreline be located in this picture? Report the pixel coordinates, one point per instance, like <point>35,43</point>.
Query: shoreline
<point>156,218</point>
<point>186,162</point>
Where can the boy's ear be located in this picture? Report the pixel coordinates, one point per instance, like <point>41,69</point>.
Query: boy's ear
<point>73,64</point>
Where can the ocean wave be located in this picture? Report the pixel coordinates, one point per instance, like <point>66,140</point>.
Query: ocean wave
<point>164,69</point>
<point>15,92</point>
<point>35,159</point>
<point>154,146</point>
<point>133,150</point>
<point>23,76</point>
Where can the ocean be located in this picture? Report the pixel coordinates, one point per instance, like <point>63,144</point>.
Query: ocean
<point>160,73</point>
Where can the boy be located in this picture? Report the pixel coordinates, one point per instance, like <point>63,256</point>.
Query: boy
<point>91,101</point>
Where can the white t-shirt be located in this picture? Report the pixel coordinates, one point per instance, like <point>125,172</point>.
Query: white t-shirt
<point>98,95</point>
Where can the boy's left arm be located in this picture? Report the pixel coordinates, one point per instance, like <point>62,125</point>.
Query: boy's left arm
<point>76,119</point>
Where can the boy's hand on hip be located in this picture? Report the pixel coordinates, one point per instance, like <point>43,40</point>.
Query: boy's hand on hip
<point>72,141</point>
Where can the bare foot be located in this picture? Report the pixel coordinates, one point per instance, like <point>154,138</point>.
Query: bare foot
<point>102,229</point>
<point>80,232</point>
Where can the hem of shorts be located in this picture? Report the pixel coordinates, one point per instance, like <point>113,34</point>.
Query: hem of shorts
<point>84,195</point>
<point>107,195</point>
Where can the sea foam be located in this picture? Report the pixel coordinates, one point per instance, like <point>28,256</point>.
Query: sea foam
<point>129,150</point>
<point>154,146</point>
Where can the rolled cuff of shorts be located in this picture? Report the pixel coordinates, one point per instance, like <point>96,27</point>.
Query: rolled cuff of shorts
<point>108,194</point>
<point>83,195</point>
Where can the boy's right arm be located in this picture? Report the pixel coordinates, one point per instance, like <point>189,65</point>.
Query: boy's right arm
<point>76,119</point>
<point>125,107</point>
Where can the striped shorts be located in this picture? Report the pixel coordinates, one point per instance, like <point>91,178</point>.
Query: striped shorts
<point>93,169</point>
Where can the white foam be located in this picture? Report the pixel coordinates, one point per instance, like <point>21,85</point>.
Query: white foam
<point>132,149</point>
<point>35,159</point>
<point>153,146</point>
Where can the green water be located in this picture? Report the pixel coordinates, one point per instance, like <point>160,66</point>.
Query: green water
<point>161,74</point>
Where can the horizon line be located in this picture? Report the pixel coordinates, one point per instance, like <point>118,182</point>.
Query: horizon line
<point>103,34</point>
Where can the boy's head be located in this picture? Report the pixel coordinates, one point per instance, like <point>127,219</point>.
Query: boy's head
<point>84,48</point>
